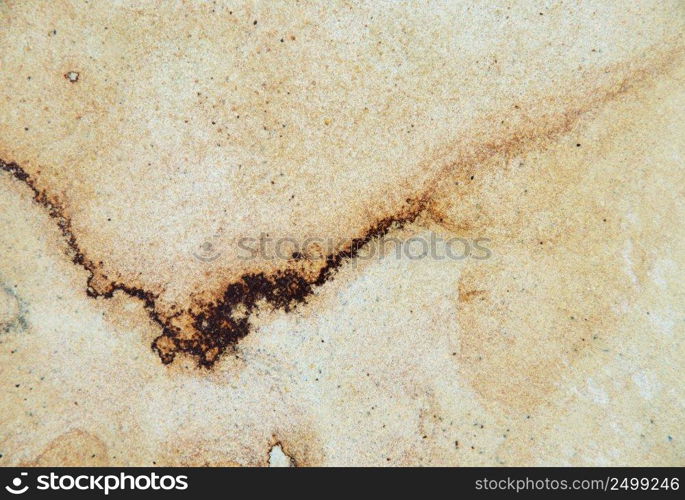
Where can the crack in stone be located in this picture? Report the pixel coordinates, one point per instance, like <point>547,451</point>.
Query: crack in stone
<point>217,327</point>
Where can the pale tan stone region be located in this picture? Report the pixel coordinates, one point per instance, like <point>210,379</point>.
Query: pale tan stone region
<point>153,154</point>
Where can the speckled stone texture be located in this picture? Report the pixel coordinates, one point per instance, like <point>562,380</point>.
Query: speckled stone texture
<point>152,152</point>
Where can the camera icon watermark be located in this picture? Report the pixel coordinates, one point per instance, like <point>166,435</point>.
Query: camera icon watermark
<point>16,487</point>
<point>207,251</point>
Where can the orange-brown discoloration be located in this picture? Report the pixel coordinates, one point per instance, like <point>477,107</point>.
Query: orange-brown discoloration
<point>73,448</point>
<point>560,273</point>
<point>469,295</point>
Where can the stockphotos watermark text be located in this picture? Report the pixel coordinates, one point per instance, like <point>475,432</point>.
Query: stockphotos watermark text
<point>104,483</point>
<point>265,247</point>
